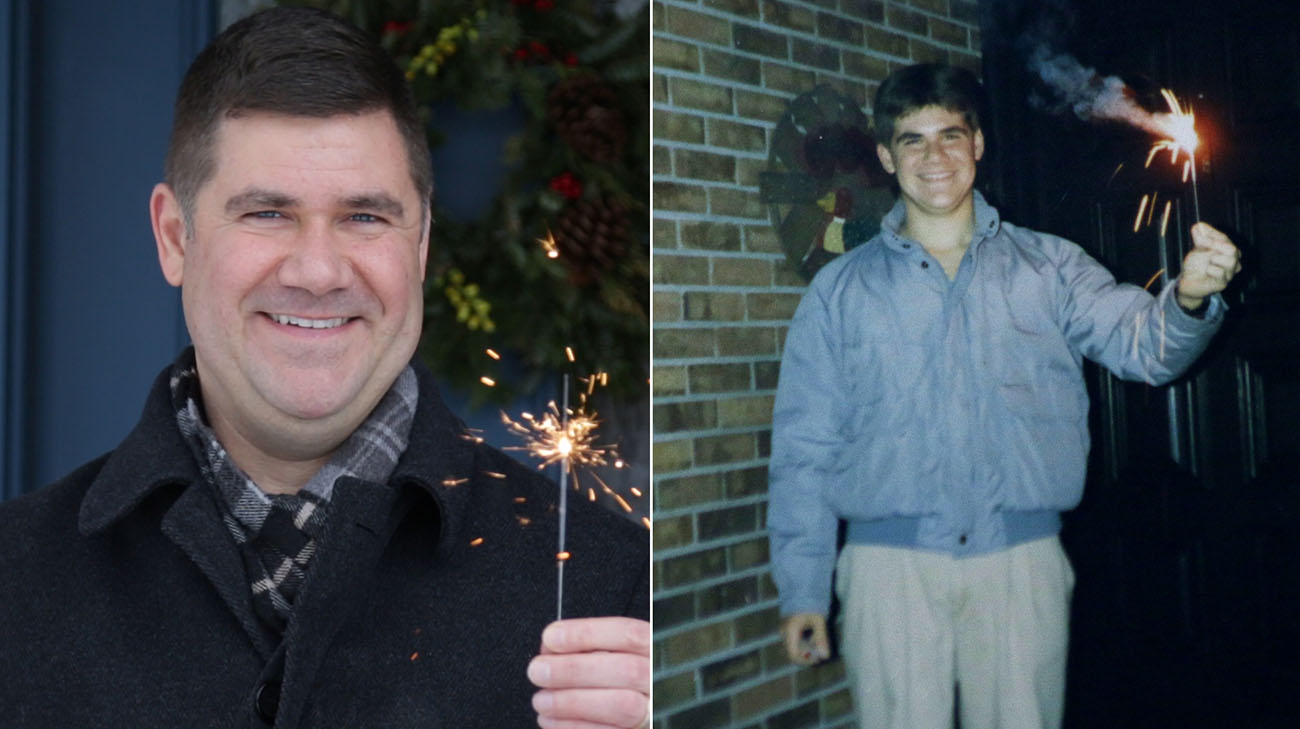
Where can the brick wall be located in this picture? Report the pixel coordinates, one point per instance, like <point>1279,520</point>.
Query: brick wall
<point>723,294</point>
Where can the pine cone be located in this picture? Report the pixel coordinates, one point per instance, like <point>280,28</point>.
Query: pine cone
<point>592,236</point>
<point>586,113</point>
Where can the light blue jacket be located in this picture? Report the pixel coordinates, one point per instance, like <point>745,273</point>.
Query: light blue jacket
<point>950,415</point>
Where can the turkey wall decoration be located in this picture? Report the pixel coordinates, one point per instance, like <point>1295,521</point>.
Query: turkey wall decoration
<point>824,187</point>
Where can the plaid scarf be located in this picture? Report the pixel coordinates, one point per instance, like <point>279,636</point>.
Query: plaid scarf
<point>277,533</point>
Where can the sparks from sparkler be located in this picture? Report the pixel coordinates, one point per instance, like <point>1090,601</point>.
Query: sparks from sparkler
<point>1179,128</point>
<point>568,436</point>
<point>548,244</point>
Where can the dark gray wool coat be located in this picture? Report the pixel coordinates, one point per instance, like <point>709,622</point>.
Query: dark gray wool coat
<point>123,600</point>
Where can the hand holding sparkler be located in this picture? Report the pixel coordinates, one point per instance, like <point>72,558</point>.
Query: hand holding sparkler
<point>1208,267</point>
<point>594,673</point>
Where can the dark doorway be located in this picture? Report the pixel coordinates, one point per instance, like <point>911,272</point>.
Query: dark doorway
<point>1187,544</point>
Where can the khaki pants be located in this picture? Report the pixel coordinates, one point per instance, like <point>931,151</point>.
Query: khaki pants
<point>918,623</point>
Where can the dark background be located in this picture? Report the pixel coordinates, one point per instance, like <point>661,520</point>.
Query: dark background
<point>1187,544</point>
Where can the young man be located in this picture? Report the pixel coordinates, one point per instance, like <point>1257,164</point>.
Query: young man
<point>931,397</point>
<point>298,532</point>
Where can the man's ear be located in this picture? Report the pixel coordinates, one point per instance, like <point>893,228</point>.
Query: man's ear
<point>886,159</point>
<point>979,144</point>
<point>168,232</point>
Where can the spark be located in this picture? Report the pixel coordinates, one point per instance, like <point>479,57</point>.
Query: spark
<point>1178,126</point>
<point>415,655</point>
<point>454,481</point>
<point>560,436</point>
<point>548,245</point>
<point>1142,206</point>
<point>492,353</point>
<point>476,541</point>
<point>488,381</point>
<point>494,474</point>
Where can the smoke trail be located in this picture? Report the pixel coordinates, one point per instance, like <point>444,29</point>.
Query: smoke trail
<point>1090,95</point>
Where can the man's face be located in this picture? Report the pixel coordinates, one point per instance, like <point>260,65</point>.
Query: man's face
<point>302,280</point>
<point>933,154</point>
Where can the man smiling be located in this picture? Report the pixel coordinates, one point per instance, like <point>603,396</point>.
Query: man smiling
<point>298,532</point>
<point>931,397</point>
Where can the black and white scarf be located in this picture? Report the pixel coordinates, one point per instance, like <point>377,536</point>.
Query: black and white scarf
<point>277,533</point>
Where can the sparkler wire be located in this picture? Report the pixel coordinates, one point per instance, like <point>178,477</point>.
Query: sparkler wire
<point>564,507</point>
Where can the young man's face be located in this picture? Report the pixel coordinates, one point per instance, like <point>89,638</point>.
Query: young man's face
<point>933,155</point>
<point>302,282</point>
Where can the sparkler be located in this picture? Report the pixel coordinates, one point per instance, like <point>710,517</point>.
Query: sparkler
<point>568,436</point>
<point>1179,128</point>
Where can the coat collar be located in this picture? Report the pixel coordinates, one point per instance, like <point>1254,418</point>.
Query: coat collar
<point>154,455</point>
<point>987,221</point>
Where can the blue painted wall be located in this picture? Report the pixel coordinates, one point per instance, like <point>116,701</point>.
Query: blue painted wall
<point>88,320</point>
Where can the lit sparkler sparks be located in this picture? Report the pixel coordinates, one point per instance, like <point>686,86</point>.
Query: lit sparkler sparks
<point>568,436</point>
<point>559,436</point>
<point>1179,127</point>
<point>548,244</point>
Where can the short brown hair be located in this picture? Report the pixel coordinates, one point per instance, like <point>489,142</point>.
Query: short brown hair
<point>293,61</point>
<point>915,87</point>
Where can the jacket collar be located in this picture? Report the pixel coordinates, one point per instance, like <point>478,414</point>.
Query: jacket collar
<point>154,455</point>
<point>987,222</point>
